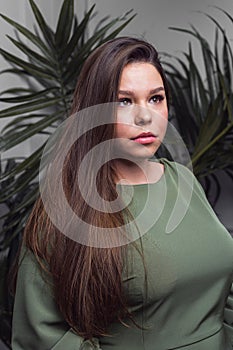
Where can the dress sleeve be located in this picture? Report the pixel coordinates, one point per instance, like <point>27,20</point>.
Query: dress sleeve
<point>228,316</point>
<point>37,322</point>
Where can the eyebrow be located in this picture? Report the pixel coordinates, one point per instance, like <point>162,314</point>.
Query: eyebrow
<point>151,92</point>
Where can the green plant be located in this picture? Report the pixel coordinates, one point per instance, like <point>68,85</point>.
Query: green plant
<point>202,103</point>
<point>7,255</point>
<point>53,60</point>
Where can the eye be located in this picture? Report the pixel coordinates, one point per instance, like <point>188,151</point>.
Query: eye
<point>156,99</point>
<point>123,102</point>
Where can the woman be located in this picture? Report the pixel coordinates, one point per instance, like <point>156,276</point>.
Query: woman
<point>155,290</point>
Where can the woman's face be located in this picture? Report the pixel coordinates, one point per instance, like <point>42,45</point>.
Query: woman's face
<point>142,111</point>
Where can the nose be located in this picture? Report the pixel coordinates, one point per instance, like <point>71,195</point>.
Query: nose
<point>142,115</point>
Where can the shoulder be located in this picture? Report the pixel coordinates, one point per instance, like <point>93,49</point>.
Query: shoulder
<point>178,169</point>
<point>187,187</point>
<point>179,174</point>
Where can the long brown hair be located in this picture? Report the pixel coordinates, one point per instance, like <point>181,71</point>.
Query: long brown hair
<point>87,281</point>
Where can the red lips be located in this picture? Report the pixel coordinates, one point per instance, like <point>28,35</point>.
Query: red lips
<point>143,134</point>
<point>144,138</point>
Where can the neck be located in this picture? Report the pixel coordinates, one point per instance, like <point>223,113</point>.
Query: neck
<point>144,171</point>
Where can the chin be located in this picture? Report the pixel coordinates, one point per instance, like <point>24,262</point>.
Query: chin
<point>141,154</point>
<point>146,151</point>
<point>133,151</point>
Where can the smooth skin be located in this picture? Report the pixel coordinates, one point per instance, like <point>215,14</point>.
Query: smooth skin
<point>142,108</point>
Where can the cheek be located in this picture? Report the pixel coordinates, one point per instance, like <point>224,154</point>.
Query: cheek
<point>164,111</point>
<point>123,121</point>
<point>161,122</point>
<point>120,129</point>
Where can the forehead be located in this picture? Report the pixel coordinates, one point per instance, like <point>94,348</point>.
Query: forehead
<point>140,74</point>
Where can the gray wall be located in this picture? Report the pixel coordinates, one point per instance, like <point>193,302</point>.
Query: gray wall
<point>155,16</point>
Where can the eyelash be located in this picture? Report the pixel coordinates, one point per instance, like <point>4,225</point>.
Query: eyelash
<point>121,102</point>
<point>159,98</point>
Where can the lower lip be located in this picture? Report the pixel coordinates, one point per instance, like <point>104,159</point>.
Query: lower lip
<point>145,140</point>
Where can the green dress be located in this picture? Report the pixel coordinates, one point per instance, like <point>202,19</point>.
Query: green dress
<point>188,302</point>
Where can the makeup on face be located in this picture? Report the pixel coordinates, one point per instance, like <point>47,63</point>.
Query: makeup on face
<point>142,109</point>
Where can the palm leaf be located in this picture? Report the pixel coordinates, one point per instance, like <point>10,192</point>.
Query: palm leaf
<point>45,29</point>
<point>203,103</point>
<point>27,67</point>
<point>29,106</point>
<point>64,24</point>
<point>16,137</point>
<point>78,32</point>
<point>30,36</point>
<point>29,162</point>
<point>30,96</point>
<point>32,55</point>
